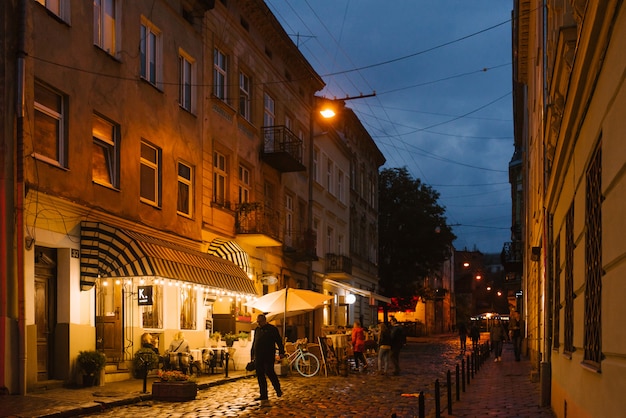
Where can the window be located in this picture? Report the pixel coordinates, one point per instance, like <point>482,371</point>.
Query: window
<point>316,165</point>
<point>219,179</point>
<point>593,262</point>
<point>244,96</point>
<point>50,141</point>
<point>152,316</point>
<point>187,307</point>
<point>244,184</point>
<point>330,238</point>
<point>150,174</point>
<point>269,115</point>
<point>329,176</point>
<point>150,51</point>
<point>186,97</point>
<point>340,244</point>
<point>61,8</point>
<point>340,181</point>
<point>105,25</point>
<point>219,75</point>
<point>185,189</point>
<point>105,155</point>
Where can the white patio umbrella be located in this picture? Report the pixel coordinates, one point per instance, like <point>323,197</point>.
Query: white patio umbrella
<point>288,302</point>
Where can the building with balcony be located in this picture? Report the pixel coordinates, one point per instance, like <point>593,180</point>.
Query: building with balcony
<point>569,97</point>
<point>189,196</point>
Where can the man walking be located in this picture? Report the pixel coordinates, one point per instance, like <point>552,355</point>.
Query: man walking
<point>398,340</point>
<point>263,353</point>
<point>515,333</point>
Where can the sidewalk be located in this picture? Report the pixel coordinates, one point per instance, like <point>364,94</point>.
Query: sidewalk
<point>502,389</point>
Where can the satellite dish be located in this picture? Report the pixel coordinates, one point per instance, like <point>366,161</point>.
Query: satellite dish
<point>269,279</point>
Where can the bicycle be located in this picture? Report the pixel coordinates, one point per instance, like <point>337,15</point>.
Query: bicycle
<point>307,364</point>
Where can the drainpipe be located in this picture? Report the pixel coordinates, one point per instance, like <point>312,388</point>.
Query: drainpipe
<point>19,192</point>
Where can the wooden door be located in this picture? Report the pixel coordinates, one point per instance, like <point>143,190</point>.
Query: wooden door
<point>45,308</point>
<point>109,335</point>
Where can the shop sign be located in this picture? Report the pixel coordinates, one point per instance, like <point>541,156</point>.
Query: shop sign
<point>144,295</point>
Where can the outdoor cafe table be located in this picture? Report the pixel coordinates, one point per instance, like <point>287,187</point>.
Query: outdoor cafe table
<point>217,351</point>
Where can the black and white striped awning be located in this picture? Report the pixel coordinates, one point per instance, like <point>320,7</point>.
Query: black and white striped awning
<point>112,252</point>
<point>231,251</point>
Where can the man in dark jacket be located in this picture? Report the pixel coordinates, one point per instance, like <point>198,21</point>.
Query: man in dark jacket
<point>263,353</point>
<point>398,340</point>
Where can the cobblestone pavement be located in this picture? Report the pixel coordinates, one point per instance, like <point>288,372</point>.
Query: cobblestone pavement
<point>361,394</point>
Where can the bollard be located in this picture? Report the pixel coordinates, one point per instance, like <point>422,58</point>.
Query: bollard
<point>473,357</point>
<point>458,388</point>
<point>226,359</point>
<point>449,387</point>
<point>468,369</point>
<point>437,400</point>
<point>477,356</point>
<point>463,375</point>
<point>421,405</point>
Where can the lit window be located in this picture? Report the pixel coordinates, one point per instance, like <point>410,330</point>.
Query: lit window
<point>185,189</point>
<point>150,174</point>
<point>105,25</point>
<point>186,93</point>
<point>187,307</point>
<point>150,55</point>
<point>219,75</point>
<point>50,141</point>
<point>105,155</point>
<point>152,315</point>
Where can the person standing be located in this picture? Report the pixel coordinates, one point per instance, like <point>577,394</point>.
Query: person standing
<point>463,336</point>
<point>474,336</point>
<point>515,333</point>
<point>498,335</point>
<point>384,348</point>
<point>358,345</point>
<point>398,339</point>
<point>263,354</point>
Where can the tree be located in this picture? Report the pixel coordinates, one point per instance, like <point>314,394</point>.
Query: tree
<point>414,238</point>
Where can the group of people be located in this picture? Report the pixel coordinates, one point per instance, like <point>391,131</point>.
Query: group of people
<point>498,335</point>
<point>178,354</point>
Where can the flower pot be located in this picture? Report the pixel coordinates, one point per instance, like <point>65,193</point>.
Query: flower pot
<point>89,380</point>
<point>174,391</point>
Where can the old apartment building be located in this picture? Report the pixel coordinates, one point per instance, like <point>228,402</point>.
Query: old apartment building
<point>157,175</point>
<point>569,73</point>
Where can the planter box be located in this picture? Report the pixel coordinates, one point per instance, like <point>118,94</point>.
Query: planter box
<point>174,391</point>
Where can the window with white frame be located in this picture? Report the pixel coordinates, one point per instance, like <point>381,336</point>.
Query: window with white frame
<point>185,189</point>
<point>220,75</point>
<point>269,110</point>
<point>244,184</point>
<point>330,239</point>
<point>339,186</point>
<point>244,95</point>
<point>150,53</point>
<point>329,176</point>
<point>105,152</point>
<point>60,8</point>
<point>186,96</point>
<point>219,178</point>
<point>152,315</point>
<point>105,25</point>
<point>316,164</point>
<point>288,219</point>
<point>50,139</point>
<point>150,174</point>
<point>187,306</point>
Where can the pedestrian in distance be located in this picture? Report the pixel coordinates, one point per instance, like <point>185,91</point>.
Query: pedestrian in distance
<point>498,336</point>
<point>515,333</point>
<point>463,336</point>
<point>384,348</point>
<point>358,345</point>
<point>474,336</point>
<point>263,353</point>
<point>398,340</point>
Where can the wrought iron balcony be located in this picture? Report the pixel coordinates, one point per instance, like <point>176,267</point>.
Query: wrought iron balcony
<point>511,256</point>
<point>301,247</point>
<point>254,218</point>
<point>336,263</point>
<point>282,149</point>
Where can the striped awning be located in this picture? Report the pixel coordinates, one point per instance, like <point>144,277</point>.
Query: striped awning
<point>357,291</point>
<point>112,252</point>
<point>231,251</point>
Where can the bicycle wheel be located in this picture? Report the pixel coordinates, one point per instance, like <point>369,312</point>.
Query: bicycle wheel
<point>307,365</point>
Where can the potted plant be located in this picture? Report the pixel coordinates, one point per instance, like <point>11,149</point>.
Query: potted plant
<point>90,363</point>
<point>216,336</point>
<point>145,359</point>
<point>243,338</point>
<point>230,339</point>
<point>174,386</point>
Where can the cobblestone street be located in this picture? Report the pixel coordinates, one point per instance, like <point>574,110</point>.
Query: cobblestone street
<point>360,394</point>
